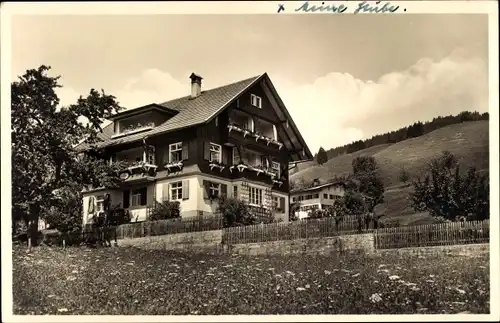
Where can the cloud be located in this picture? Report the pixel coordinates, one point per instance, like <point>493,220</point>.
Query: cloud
<point>337,108</point>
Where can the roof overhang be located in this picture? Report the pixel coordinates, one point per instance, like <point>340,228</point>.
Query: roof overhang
<point>141,110</point>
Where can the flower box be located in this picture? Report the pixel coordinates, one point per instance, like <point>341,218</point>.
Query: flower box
<point>178,164</point>
<point>239,167</point>
<point>213,165</point>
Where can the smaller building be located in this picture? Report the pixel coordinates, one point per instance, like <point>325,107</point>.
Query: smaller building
<point>317,197</point>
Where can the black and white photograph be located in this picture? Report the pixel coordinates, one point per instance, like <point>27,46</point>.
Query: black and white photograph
<point>253,160</point>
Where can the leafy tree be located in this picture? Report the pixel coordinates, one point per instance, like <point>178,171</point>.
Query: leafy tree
<point>404,176</point>
<point>235,212</point>
<point>294,207</point>
<point>448,194</point>
<point>367,181</point>
<point>44,135</point>
<point>321,157</point>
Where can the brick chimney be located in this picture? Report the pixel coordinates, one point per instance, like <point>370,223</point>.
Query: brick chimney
<point>195,85</point>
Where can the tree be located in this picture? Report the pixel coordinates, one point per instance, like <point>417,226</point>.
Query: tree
<point>44,135</point>
<point>235,212</point>
<point>367,180</point>
<point>322,157</point>
<point>448,194</point>
<point>404,176</point>
<point>294,207</point>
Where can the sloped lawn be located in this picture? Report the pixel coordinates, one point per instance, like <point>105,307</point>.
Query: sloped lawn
<point>128,281</point>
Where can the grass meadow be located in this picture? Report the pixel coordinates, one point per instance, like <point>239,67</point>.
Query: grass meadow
<point>128,281</point>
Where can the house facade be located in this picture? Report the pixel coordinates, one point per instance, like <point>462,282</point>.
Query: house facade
<point>236,140</point>
<point>317,197</point>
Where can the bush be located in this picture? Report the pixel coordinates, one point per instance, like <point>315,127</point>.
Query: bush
<point>165,210</point>
<point>235,212</point>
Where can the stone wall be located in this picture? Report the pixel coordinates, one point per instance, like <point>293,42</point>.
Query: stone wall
<point>471,250</point>
<point>324,246</point>
<point>200,241</point>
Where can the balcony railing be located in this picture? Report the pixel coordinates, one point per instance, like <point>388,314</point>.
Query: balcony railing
<point>258,169</point>
<point>137,167</point>
<point>254,134</point>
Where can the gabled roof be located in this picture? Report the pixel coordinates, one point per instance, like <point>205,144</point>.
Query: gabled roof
<point>202,109</point>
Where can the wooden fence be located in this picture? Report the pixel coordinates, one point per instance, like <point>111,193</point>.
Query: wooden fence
<point>311,228</point>
<point>449,233</point>
<point>171,226</point>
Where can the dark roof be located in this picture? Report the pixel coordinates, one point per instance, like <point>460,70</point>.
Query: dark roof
<point>194,111</point>
<point>318,187</point>
<point>191,112</point>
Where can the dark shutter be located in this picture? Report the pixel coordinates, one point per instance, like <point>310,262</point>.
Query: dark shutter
<point>226,155</point>
<point>144,196</point>
<point>206,185</point>
<point>185,149</point>
<point>206,151</point>
<point>223,189</point>
<point>126,199</point>
<point>270,161</point>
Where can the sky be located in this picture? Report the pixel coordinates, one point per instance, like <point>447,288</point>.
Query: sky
<point>342,77</point>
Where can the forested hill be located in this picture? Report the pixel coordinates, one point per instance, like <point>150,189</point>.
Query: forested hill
<point>415,130</point>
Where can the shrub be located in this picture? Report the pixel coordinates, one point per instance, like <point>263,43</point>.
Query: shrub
<point>235,212</point>
<point>165,210</point>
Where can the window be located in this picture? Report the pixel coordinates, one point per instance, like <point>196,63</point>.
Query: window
<point>294,199</point>
<point>331,196</point>
<point>256,101</point>
<point>309,197</point>
<point>215,153</point>
<point>100,203</point>
<point>138,197</point>
<point>175,152</point>
<point>176,191</point>
<point>325,196</point>
<point>276,202</point>
<point>214,190</point>
<point>276,169</point>
<point>236,156</point>
<point>235,191</point>
<point>316,196</point>
<point>255,196</point>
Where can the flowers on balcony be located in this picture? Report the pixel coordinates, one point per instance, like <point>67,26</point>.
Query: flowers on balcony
<point>240,167</point>
<point>215,164</point>
<point>255,134</point>
<point>177,165</point>
<point>277,182</point>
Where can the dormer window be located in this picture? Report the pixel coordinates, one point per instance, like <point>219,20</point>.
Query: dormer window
<point>256,101</point>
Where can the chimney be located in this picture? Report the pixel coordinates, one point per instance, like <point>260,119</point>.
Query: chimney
<point>316,182</point>
<point>195,85</point>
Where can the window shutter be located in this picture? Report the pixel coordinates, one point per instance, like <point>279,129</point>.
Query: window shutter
<point>144,196</point>
<point>226,156</point>
<point>126,199</point>
<point>236,155</point>
<point>235,191</point>
<point>205,189</point>
<point>206,152</point>
<point>185,149</point>
<point>223,190</point>
<point>185,189</point>
<point>91,205</point>
<point>275,132</point>
<point>166,192</point>
<point>282,204</point>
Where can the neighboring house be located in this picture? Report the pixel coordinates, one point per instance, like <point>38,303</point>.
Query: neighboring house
<point>317,197</point>
<point>236,140</point>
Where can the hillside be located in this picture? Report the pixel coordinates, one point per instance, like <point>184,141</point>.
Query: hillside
<point>468,141</point>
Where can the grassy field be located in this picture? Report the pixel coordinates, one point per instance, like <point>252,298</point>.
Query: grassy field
<point>127,281</point>
<point>468,141</point>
